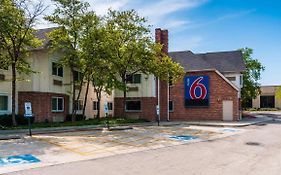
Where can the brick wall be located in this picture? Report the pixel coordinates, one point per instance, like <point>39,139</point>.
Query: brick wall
<point>219,90</point>
<point>41,105</point>
<point>148,108</point>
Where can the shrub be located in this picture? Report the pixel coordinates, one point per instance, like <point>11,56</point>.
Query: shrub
<point>79,117</point>
<point>6,120</point>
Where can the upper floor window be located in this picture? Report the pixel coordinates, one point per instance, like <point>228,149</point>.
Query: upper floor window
<point>133,79</point>
<point>231,78</point>
<point>78,76</point>
<point>3,103</point>
<point>57,104</point>
<point>57,69</point>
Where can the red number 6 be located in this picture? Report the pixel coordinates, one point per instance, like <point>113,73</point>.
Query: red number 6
<point>197,84</point>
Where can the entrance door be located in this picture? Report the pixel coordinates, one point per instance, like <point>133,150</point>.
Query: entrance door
<point>227,110</point>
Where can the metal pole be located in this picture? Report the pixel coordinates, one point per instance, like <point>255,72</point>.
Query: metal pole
<point>29,126</point>
<point>158,87</point>
<point>107,121</point>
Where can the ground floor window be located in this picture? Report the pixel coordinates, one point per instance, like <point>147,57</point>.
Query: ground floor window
<point>3,103</point>
<point>171,106</point>
<point>57,104</point>
<point>96,105</point>
<point>267,101</point>
<point>79,105</point>
<point>133,105</point>
<point>110,106</point>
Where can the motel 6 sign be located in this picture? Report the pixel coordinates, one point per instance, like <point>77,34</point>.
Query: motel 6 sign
<point>196,91</point>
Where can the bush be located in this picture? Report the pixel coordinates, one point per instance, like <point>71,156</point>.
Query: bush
<point>6,120</point>
<point>79,117</point>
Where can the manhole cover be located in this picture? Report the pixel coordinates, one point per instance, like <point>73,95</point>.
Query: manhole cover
<point>253,143</point>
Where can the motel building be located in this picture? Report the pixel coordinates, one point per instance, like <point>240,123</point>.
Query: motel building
<point>48,90</point>
<point>210,90</point>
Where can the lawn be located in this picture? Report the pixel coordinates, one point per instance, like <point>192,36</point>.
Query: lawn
<point>112,122</point>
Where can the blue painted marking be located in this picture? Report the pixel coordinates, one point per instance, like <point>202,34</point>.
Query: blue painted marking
<point>183,137</point>
<point>18,159</point>
<point>229,130</point>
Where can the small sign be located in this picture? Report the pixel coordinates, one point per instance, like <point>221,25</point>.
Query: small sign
<point>157,109</point>
<point>18,159</point>
<point>27,109</point>
<point>106,108</point>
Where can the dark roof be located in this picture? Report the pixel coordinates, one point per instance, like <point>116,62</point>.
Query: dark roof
<point>42,35</point>
<point>230,61</point>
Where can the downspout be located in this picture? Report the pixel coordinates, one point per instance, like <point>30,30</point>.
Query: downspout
<point>168,99</point>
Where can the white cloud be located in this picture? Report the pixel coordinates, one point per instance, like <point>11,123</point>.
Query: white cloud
<point>187,43</point>
<point>101,6</point>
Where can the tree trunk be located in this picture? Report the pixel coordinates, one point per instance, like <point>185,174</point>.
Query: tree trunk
<point>14,75</point>
<point>73,114</point>
<point>124,95</point>
<point>86,97</point>
<point>98,94</point>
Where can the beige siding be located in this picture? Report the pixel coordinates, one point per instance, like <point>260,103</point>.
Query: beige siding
<point>145,89</point>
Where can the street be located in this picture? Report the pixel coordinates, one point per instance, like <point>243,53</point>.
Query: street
<point>256,151</point>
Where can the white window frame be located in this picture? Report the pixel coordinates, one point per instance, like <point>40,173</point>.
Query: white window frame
<point>57,70</point>
<point>57,104</point>
<point>5,111</point>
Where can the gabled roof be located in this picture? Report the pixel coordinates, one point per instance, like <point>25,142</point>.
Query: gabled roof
<point>230,61</point>
<point>42,35</point>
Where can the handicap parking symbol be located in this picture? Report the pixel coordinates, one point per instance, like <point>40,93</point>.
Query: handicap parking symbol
<point>18,159</point>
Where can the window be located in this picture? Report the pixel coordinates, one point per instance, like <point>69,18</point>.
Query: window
<point>78,76</point>
<point>134,79</point>
<point>57,70</point>
<point>96,105</point>
<point>3,103</point>
<point>133,105</point>
<point>267,101</point>
<point>241,79</point>
<point>109,106</point>
<point>231,78</point>
<point>171,106</point>
<point>79,105</point>
<point>57,104</point>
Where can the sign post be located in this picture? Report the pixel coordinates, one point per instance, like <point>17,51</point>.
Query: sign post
<point>28,115</point>
<point>106,115</point>
<point>158,114</point>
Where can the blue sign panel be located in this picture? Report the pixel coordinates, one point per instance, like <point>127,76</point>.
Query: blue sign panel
<point>19,159</point>
<point>196,91</point>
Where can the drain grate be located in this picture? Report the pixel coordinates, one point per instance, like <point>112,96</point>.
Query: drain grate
<point>253,143</point>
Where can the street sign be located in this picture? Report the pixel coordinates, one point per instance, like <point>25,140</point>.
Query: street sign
<point>27,109</point>
<point>157,110</point>
<point>18,159</point>
<point>106,108</point>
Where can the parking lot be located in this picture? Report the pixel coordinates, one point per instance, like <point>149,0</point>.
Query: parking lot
<point>57,148</point>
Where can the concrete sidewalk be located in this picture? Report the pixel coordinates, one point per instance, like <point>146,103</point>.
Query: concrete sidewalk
<point>14,134</point>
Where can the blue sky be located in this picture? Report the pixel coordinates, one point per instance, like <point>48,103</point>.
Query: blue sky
<point>213,25</point>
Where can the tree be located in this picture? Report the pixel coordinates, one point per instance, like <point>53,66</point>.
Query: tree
<point>70,15</point>
<point>97,66</point>
<point>17,20</point>
<point>132,50</point>
<point>278,93</point>
<point>251,86</point>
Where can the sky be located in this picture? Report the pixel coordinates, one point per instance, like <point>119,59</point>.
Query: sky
<point>211,26</point>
